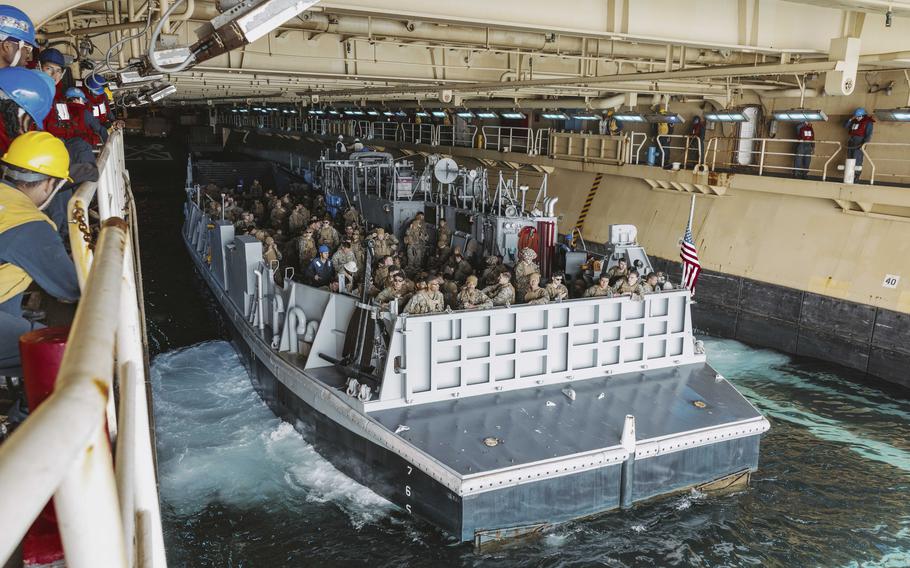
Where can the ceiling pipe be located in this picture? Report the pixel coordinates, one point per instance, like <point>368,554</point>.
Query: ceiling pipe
<point>592,104</point>
<point>546,42</point>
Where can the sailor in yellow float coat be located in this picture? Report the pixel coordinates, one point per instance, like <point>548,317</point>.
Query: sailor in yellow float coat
<point>34,168</point>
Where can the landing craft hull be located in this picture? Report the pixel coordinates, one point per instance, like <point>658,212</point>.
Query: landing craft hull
<point>520,506</point>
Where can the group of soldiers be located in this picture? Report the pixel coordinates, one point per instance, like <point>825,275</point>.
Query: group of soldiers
<point>421,274</point>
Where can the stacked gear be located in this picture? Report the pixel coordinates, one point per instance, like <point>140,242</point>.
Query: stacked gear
<point>16,26</point>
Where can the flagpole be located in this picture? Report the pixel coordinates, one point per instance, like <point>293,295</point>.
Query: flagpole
<point>691,211</point>
<point>682,276</point>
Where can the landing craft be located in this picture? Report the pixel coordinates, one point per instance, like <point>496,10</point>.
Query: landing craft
<point>489,423</point>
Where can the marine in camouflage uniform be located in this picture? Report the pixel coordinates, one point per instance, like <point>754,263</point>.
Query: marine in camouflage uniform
<point>502,293</point>
<point>524,269</point>
<point>298,219</point>
<point>344,255</point>
<point>462,268</point>
<point>416,238</point>
<point>383,243</point>
<point>351,217</point>
<point>556,289</point>
<point>470,298</point>
<point>443,240</point>
<point>306,249</point>
<point>601,289</point>
<point>396,290</point>
<point>429,301</point>
<point>328,235</point>
<point>630,285</point>
<point>491,272</point>
<point>618,271</point>
<point>536,294</point>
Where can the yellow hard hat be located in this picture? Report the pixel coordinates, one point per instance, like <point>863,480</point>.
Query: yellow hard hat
<point>39,152</point>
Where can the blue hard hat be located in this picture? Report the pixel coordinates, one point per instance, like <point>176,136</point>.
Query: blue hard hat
<point>32,90</point>
<point>323,248</point>
<point>859,112</point>
<point>16,25</point>
<point>54,56</point>
<point>95,83</point>
<point>75,93</point>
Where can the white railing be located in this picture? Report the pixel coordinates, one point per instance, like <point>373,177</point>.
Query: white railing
<point>363,130</point>
<point>448,135</point>
<point>897,160</point>
<point>774,155</point>
<point>384,130</point>
<point>690,147</point>
<point>508,139</point>
<point>634,144</point>
<point>107,509</point>
<point>541,144</point>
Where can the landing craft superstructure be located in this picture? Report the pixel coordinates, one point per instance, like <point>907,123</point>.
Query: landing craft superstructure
<point>488,423</point>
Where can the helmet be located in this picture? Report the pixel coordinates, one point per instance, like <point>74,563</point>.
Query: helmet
<point>323,248</point>
<point>860,112</point>
<point>75,93</point>
<point>95,83</point>
<point>340,137</point>
<point>32,90</point>
<point>52,55</point>
<point>16,25</point>
<point>39,152</point>
<point>350,267</point>
<point>356,139</point>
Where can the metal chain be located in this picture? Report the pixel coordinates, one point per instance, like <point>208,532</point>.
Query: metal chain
<point>82,224</point>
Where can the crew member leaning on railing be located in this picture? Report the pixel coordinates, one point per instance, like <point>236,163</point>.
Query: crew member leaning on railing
<point>34,167</point>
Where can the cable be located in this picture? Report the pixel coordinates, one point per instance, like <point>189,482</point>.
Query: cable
<point>122,41</point>
<point>151,51</point>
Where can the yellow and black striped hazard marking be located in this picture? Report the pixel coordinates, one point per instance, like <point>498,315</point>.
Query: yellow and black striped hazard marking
<point>580,224</point>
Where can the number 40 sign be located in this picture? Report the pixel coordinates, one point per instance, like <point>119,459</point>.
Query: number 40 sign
<point>891,280</point>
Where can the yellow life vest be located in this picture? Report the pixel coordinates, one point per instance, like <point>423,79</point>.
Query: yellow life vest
<point>16,209</point>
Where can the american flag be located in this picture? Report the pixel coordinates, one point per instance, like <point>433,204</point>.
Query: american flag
<point>689,255</point>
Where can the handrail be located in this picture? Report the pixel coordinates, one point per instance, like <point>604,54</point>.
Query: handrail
<point>763,153</point>
<point>108,516</point>
<point>872,163</point>
<point>633,153</point>
<point>516,139</point>
<point>685,146</point>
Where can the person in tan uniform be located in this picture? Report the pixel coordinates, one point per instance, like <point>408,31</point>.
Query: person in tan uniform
<point>343,255</point>
<point>443,239</point>
<point>383,243</point>
<point>556,290</point>
<point>650,284</point>
<point>502,293</point>
<point>415,239</point>
<point>428,301</point>
<point>471,298</point>
<point>396,290</point>
<point>461,267</point>
<point>630,285</point>
<point>270,251</point>
<point>351,217</point>
<point>298,219</point>
<point>601,289</point>
<point>491,272</point>
<point>536,294</point>
<point>524,268</point>
<point>328,235</point>
<point>381,274</point>
<point>617,271</point>
<point>306,249</point>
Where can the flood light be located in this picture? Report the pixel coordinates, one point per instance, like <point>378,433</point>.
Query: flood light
<point>422,114</point>
<point>799,115</point>
<point>629,117</point>
<point>464,114</point>
<point>486,114</point>
<point>555,116</point>
<point>726,116</point>
<point>373,113</point>
<point>439,114</point>
<point>585,117</point>
<point>893,114</point>
<point>513,115</point>
<point>388,113</point>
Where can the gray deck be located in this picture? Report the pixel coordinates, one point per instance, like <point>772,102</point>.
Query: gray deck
<point>530,431</point>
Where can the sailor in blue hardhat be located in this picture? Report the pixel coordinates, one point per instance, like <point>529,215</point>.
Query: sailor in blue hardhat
<point>859,131</point>
<point>320,271</point>
<point>17,36</point>
<point>95,83</point>
<point>53,63</point>
<point>26,96</point>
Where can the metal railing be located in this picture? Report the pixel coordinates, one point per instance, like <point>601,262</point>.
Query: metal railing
<point>587,147</point>
<point>363,130</point>
<point>635,141</point>
<point>384,131</point>
<point>899,151</point>
<point>448,135</point>
<point>768,155</point>
<point>107,508</point>
<point>508,139</point>
<point>690,146</point>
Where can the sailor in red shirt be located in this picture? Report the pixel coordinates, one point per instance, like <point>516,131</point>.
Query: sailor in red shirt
<point>84,123</point>
<point>804,149</point>
<point>58,121</point>
<point>859,130</point>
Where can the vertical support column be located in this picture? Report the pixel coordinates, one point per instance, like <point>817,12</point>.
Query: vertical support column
<point>627,474</point>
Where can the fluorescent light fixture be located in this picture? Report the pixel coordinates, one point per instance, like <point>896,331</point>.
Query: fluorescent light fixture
<point>388,113</point>
<point>164,91</point>
<point>657,117</point>
<point>513,115</point>
<point>333,112</point>
<point>373,113</point>
<point>486,114</point>
<point>555,116</point>
<point>439,114</point>
<point>317,112</point>
<point>465,114</point>
<point>585,117</point>
<point>629,116</point>
<point>893,114</point>
<point>799,115</point>
<point>353,112</point>
<point>401,113</point>
<point>726,116</point>
<point>421,113</point>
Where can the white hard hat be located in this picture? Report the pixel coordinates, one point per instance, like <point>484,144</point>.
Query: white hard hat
<point>351,266</point>
<point>340,137</point>
<point>356,139</point>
